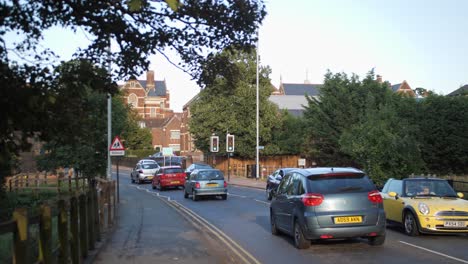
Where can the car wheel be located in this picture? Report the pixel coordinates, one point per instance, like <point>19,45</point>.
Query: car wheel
<point>185,194</point>
<point>152,186</point>
<point>377,240</point>
<point>299,240</point>
<point>224,196</point>
<point>159,186</point>
<point>274,228</point>
<point>131,179</point>
<point>194,196</point>
<point>411,224</point>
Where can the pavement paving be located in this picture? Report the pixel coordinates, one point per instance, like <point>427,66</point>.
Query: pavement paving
<point>150,231</point>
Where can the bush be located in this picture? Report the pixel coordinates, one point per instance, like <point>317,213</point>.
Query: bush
<point>139,153</point>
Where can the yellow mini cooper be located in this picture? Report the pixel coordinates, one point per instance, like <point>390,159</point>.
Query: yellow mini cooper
<point>425,205</point>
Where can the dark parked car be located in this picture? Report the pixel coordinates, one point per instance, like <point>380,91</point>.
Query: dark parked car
<point>197,166</point>
<point>205,182</point>
<point>328,203</point>
<point>274,180</point>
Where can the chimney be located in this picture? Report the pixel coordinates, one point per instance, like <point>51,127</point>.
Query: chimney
<point>379,78</point>
<point>150,79</point>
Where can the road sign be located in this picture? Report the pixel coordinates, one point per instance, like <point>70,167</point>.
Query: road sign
<point>117,148</point>
<point>167,152</point>
<point>261,147</point>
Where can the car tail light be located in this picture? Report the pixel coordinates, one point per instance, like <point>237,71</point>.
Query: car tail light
<point>140,171</point>
<point>312,199</point>
<point>225,184</point>
<point>197,185</point>
<point>373,234</point>
<point>326,236</point>
<point>374,197</point>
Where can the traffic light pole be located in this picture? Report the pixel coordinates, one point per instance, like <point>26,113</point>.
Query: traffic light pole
<point>229,167</point>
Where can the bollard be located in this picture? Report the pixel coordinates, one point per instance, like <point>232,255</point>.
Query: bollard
<point>45,235</point>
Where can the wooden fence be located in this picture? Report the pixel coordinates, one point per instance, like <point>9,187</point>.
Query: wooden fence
<point>67,229</point>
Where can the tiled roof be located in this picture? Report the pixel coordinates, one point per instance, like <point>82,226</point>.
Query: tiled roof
<point>395,87</point>
<point>159,85</point>
<point>301,89</point>
<point>459,91</point>
<point>293,103</point>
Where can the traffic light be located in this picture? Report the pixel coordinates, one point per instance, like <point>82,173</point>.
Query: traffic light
<point>229,143</point>
<point>214,143</point>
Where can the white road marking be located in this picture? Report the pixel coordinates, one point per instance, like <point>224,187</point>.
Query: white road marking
<point>236,195</point>
<point>262,202</point>
<point>435,252</point>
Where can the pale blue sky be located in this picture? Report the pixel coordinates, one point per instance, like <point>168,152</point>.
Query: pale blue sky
<point>422,42</point>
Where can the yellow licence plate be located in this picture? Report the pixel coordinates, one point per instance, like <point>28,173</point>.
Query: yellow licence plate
<point>174,182</point>
<point>212,185</point>
<point>347,219</point>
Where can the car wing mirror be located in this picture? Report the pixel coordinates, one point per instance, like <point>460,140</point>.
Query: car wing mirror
<point>460,195</point>
<point>393,194</point>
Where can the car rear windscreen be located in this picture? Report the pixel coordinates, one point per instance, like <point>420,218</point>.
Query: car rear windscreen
<point>149,166</point>
<point>339,183</point>
<point>173,170</point>
<point>210,175</point>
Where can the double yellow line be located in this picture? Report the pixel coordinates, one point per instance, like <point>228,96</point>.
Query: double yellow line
<point>240,252</point>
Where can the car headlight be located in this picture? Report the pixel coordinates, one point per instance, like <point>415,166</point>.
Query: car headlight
<point>423,208</point>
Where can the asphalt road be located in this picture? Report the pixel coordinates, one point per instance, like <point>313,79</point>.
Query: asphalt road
<point>244,217</point>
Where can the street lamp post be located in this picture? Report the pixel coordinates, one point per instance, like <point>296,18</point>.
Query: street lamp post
<point>257,125</point>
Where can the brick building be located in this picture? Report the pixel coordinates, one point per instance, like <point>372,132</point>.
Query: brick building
<point>151,99</point>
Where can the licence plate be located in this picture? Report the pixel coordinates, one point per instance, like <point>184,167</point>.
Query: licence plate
<point>212,185</point>
<point>454,224</point>
<point>347,219</point>
<point>174,182</point>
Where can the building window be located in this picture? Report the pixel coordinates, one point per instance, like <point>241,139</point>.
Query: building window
<point>142,124</point>
<point>153,112</point>
<point>132,100</point>
<point>175,134</point>
<point>161,105</point>
<point>132,84</point>
<point>175,147</point>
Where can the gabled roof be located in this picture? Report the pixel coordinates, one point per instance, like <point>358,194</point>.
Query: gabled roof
<point>460,91</point>
<point>301,89</point>
<point>160,88</point>
<point>395,87</point>
<point>293,103</point>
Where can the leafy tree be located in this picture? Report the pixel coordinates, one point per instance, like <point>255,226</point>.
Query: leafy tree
<point>228,104</point>
<point>290,135</point>
<point>343,102</point>
<point>193,29</point>
<point>443,125</point>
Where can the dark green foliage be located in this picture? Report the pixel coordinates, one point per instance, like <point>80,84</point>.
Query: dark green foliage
<point>228,104</point>
<point>290,134</point>
<point>443,133</point>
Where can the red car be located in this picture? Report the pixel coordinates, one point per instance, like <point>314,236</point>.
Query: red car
<point>168,176</point>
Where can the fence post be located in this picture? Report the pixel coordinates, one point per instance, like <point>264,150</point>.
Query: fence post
<point>70,173</point>
<point>20,236</point>
<point>45,235</point>
<point>114,200</point>
<point>97,230</point>
<point>63,232</point>
<point>83,227</point>
<point>102,199</point>
<point>75,241</point>
<point>90,213</point>
<point>109,205</point>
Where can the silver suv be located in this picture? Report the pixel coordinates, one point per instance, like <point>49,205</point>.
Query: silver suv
<point>328,203</point>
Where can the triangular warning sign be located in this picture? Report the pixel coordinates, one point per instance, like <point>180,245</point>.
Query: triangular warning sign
<point>117,144</point>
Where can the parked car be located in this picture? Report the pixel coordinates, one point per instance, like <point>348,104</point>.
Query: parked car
<point>425,205</point>
<point>197,166</point>
<point>168,176</point>
<point>205,182</point>
<point>146,161</point>
<point>143,172</point>
<point>274,180</point>
<point>327,203</point>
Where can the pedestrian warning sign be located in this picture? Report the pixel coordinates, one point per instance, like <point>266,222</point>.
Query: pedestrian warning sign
<point>116,144</point>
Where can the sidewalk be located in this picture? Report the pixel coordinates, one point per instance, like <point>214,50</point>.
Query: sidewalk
<point>246,182</point>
